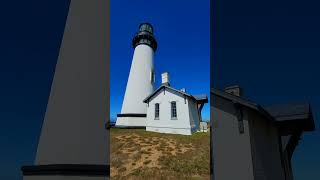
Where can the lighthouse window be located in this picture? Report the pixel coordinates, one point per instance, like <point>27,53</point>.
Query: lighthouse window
<point>156,111</point>
<point>152,77</point>
<point>173,110</point>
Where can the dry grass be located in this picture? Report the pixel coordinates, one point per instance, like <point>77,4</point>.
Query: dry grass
<point>137,154</point>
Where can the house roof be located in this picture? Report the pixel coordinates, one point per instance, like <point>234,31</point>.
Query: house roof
<point>242,101</point>
<point>291,119</point>
<point>289,111</point>
<point>200,98</point>
<point>297,114</point>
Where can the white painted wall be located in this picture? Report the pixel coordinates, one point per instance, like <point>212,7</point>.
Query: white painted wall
<point>265,151</point>
<point>139,86</point>
<point>231,150</point>
<point>131,121</point>
<point>165,124</point>
<point>203,126</point>
<point>73,130</point>
<point>194,115</point>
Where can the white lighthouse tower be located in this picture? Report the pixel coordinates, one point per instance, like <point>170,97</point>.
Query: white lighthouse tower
<point>141,79</point>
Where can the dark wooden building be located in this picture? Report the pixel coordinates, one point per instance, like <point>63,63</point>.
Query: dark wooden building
<point>252,142</point>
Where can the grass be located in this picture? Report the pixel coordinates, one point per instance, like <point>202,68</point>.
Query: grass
<point>138,154</point>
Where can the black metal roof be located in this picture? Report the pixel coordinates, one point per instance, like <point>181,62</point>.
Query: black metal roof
<point>235,98</point>
<point>243,101</point>
<point>145,36</point>
<point>285,115</point>
<point>289,111</point>
<point>291,119</point>
<point>298,113</point>
<point>203,98</point>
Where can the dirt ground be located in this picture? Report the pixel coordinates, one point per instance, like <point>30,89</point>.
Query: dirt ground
<point>137,154</point>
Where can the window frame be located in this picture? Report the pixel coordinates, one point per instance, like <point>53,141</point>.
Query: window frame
<point>173,110</point>
<point>152,76</point>
<point>155,111</point>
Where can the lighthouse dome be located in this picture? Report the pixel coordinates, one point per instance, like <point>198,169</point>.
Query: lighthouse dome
<point>146,27</point>
<point>145,36</point>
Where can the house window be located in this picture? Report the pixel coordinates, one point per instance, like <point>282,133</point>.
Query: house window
<point>173,110</point>
<point>156,111</point>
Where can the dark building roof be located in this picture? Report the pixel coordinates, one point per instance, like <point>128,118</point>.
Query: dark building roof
<point>199,98</point>
<point>293,116</point>
<point>285,112</point>
<point>242,101</point>
<point>234,98</point>
<point>291,119</point>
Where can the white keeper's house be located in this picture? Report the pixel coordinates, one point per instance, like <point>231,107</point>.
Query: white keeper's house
<point>173,111</point>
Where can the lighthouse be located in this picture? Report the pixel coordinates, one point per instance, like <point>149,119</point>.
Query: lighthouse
<point>73,144</point>
<point>141,79</point>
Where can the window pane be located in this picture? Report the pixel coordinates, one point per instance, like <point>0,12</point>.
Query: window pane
<point>156,111</point>
<point>173,110</point>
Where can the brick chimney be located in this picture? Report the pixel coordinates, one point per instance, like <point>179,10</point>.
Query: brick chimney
<point>234,90</point>
<point>165,79</point>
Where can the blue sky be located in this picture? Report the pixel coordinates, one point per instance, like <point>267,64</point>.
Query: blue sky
<point>30,34</point>
<point>271,49</point>
<point>182,30</point>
